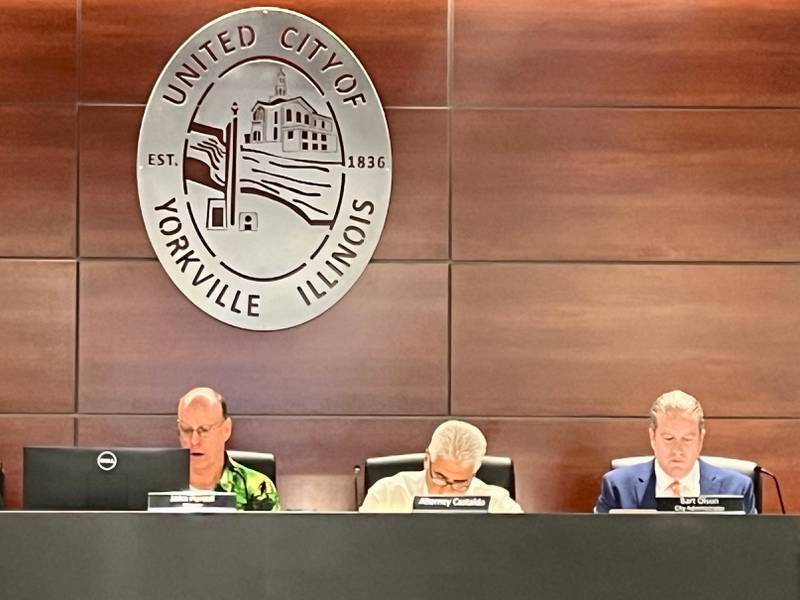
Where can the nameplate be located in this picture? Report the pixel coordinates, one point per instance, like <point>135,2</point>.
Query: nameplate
<point>728,504</point>
<point>191,501</point>
<point>451,504</point>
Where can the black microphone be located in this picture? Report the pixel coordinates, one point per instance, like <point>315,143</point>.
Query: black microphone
<point>356,473</point>
<point>762,470</point>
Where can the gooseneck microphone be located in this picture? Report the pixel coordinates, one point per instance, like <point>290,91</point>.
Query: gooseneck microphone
<point>762,470</point>
<point>356,473</point>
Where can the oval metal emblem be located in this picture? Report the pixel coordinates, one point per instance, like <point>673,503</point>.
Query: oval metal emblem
<point>107,460</point>
<point>264,169</point>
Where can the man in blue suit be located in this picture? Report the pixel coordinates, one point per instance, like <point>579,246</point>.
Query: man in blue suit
<point>677,431</point>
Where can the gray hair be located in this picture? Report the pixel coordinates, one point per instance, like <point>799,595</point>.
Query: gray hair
<point>678,401</point>
<point>458,441</point>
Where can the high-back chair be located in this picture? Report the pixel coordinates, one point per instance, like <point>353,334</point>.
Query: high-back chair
<point>264,462</point>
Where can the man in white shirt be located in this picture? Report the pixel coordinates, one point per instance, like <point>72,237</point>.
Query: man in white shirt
<point>677,431</point>
<point>453,457</point>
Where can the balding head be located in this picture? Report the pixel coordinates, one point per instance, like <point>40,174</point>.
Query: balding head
<point>205,396</point>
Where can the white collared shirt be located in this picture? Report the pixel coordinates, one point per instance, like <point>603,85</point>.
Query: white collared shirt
<point>690,483</point>
<point>396,494</point>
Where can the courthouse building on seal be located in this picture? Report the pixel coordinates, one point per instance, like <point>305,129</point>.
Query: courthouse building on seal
<point>291,122</point>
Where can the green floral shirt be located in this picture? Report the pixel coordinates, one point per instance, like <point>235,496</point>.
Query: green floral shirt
<point>254,490</point>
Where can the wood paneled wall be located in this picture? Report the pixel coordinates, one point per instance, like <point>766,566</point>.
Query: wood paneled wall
<point>594,202</point>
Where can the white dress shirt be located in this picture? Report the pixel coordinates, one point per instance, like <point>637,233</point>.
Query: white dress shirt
<point>396,494</point>
<point>690,483</point>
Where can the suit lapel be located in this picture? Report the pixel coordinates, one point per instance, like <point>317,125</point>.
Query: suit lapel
<point>646,486</point>
<point>708,481</point>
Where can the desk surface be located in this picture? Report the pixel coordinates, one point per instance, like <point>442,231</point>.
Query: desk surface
<point>288,556</point>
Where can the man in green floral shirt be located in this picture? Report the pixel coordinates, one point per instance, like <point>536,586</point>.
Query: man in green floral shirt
<point>204,428</point>
<point>254,490</point>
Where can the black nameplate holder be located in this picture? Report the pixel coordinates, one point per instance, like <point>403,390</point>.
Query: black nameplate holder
<point>452,504</point>
<point>720,504</point>
<point>191,501</point>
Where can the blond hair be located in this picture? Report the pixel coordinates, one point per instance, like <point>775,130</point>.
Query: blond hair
<point>677,401</point>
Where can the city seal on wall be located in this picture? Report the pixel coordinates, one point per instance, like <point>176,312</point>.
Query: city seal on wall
<point>264,169</point>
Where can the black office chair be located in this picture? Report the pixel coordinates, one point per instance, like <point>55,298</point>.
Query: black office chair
<point>745,467</point>
<point>495,470</point>
<point>263,462</point>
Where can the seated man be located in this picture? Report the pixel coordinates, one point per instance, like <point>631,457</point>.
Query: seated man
<point>204,427</point>
<point>677,431</point>
<point>451,461</point>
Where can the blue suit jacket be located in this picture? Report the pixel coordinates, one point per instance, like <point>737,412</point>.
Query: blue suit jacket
<point>635,486</point>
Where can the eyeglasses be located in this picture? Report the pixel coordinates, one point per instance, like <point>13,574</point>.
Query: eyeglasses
<point>459,485</point>
<point>202,431</point>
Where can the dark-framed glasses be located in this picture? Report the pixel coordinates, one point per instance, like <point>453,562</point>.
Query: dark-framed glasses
<point>459,485</point>
<point>201,430</point>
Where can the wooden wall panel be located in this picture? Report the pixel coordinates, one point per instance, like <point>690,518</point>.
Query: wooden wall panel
<point>18,431</point>
<point>128,431</point>
<point>558,463</point>
<point>402,44</point>
<point>110,218</point>
<point>626,185</point>
<point>418,223</point>
<point>37,160</point>
<point>380,350</point>
<point>38,44</point>
<point>37,332</point>
<point>594,340</point>
<point>643,52</point>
